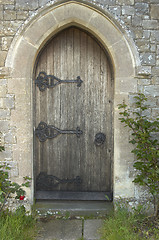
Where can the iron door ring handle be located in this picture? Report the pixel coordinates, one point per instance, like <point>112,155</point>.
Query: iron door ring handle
<point>99,139</point>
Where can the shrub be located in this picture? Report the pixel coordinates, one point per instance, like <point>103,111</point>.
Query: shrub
<point>146,146</point>
<point>8,188</point>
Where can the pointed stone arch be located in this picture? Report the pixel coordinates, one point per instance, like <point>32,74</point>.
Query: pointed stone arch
<point>21,59</point>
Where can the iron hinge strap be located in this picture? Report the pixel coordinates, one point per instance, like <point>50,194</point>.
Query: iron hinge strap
<point>44,81</point>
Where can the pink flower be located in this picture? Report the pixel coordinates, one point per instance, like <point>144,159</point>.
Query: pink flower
<point>21,197</point>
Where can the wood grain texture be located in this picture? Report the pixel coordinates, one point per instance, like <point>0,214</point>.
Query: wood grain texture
<point>69,54</point>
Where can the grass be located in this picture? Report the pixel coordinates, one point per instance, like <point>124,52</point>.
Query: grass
<point>17,226</point>
<point>123,225</point>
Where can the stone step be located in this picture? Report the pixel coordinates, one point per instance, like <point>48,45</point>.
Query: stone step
<point>73,208</point>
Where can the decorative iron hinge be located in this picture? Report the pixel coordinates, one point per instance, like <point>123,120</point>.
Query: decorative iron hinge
<point>44,131</point>
<point>49,182</point>
<point>44,81</point>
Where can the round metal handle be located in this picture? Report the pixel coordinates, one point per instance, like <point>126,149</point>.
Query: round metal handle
<point>99,139</point>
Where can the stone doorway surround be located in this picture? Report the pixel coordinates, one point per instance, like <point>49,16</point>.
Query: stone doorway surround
<point>21,60</point>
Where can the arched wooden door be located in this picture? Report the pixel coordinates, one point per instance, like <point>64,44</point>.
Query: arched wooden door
<point>73,119</point>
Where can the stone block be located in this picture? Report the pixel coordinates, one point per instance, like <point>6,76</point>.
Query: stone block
<point>150,24</point>
<point>25,164</point>
<point>123,2</point>
<point>1,14</point>
<point>138,32</point>
<point>10,27</point>
<point>4,114</point>
<point>73,12</point>
<point>10,138</point>
<point>9,15</point>
<point>3,55</point>
<point>137,21</point>
<point>151,101</point>
<point>125,85</point>
<point>144,82</point>
<point>9,7</point>
<point>40,29</point>
<point>1,28</point>
<point>7,154</point>
<point>120,49</point>
<point>23,61</point>
<point>43,2</point>
<point>146,34</point>
<point>154,11</point>
<point>9,101</point>
<point>6,41</point>
<point>157,50</point>
<point>148,58</point>
<point>116,11</point>
<point>4,71</point>
<point>3,81</point>
<point>6,1</point>
<point>155,112</point>
<point>14,169</point>
<point>21,83</point>
<point>153,48</point>
<point>153,1</point>
<point>145,17</point>
<point>155,71</point>
<point>21,114</point>
<point>126,19</point>
<point>144,70</point>
<point>155,35</point>
<point>3,91</point>
<point>152,90</point>
<point>128,10</point>
<point>105,27</point>
<point>91,228</point>
<point>22,15</point>
<point>4,125</point>
<point>155,80</point>
<point>124,188</point>
<point>1,103</point>
<point>141,9</point>
<point>107,2</point>
<point>26,4</point>
<point>143,45</point>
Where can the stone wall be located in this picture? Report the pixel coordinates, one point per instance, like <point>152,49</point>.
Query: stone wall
<point>138,18</point>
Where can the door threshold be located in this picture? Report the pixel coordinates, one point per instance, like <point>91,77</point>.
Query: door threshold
<point>73,208</point>
<point>83,196</point>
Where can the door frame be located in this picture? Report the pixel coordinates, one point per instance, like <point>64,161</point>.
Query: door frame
<point>21,60</point>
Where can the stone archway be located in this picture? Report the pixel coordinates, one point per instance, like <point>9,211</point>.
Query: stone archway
<point>21,61</point>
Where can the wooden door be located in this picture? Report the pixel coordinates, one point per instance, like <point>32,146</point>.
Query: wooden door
<point>73,118</point>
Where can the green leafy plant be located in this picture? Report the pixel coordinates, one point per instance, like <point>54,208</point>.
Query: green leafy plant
<point>146,145</point>
<point>8,188</point>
